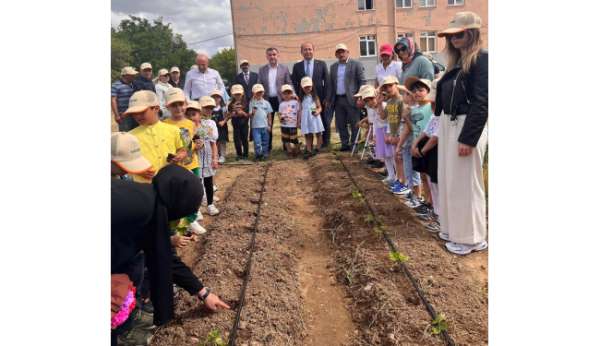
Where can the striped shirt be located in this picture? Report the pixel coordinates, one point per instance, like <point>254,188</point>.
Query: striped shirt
<point>122,92</point>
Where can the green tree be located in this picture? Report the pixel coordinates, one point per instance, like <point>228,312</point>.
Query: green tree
<point>120,56</point>
<point>153,42</point>
<point>224,62</point>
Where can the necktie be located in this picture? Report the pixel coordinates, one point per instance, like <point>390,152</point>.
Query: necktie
<point>308,69</point>
<point>246,77</point>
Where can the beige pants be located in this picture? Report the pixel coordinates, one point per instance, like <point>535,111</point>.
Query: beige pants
<point>460,183</point>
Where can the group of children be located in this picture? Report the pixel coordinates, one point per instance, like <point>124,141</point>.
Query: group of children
<point>405,136</point>
<point>303,111</point>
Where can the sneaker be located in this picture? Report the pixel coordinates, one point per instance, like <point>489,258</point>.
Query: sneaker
<point>345,148</point>
<point>315,152</point>
<point>465,249</point>
<point>306,155</point>
<point>422,210</point>
<point>147,306</point>
<point>221,159</point>
<point>199,216</point>
<point>412,203</point>
<point>400,189</point>
<point>444,236</point>
<point>196,228</point>
<point>432,227</point>
<point>388,181</point>
<point>136,337</point>
<point>212,210</point>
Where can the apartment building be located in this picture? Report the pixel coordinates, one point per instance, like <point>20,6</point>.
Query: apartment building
<point>361,24</point>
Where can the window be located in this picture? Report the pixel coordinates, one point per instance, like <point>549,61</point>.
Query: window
<point>456,2</point>
<point>367,45</point>
<point>365,5</point>
<point>427,41</point>
<point>427,3</point>
<point>405,34</point>
<point>404,3</point>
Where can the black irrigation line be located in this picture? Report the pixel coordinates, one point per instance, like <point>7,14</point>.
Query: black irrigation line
<point>247,271</point>
<point>393,248</point>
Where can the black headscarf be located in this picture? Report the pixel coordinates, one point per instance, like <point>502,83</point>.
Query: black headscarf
<point>140,221</point>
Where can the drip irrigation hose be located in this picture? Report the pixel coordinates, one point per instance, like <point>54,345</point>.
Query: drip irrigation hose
<point>247,270</point>
<point>394,249</point>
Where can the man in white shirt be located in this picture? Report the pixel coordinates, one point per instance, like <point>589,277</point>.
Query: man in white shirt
<point>272,76</point>
<point>200,82</point>
<point>387,66</point>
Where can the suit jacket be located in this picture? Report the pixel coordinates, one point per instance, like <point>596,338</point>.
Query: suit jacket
<point>253,79</point>
<point>283,77</point>
<point>320,77</point>
<point>354,77</point>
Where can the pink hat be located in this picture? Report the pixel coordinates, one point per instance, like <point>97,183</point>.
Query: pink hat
<point>387,49</point>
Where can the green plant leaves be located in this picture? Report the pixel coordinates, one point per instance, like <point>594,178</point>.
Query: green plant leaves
<point>397,257</point>
<point>439,324</point>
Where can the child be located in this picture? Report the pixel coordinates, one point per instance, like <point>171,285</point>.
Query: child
<point>367,124</point>
<point>261,117</point>
<point>221,117</point>
<point>239,119</point>
<point>206,138</point>
<point>396,114</point>
<point>311,123</point>
<point>288,111</point>
<point>175,102</point>
<point>420,114</point>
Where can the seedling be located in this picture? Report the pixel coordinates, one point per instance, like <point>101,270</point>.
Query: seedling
<point>213,339</point>
<point>370,219</point>
<point>378,229</point>
<point>439,324</point>
<point>398,257</point>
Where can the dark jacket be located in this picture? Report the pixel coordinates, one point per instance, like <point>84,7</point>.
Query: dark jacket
<point>282,77</point>
<point>470,98</point>
<point>320,77</point>
<point>141,83</point>
<point>178,85</point>
<point>253,79</point>
<point>354,78</point>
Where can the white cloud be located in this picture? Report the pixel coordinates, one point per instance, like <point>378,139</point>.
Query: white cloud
<point>195,20</point>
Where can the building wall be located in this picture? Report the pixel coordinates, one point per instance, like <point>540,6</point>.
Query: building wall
<point>286,24</point>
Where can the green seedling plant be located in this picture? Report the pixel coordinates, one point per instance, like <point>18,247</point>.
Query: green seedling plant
<point>370,219</point>
<point>213,339</point>
<point>439,324</point>
<point>398,257</point>
<point>378,229</point>
<point>357,196</point>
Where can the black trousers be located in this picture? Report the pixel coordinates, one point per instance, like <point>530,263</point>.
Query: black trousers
<point>209,188</point>
<point>327,116</point>
<point>240,136</point>
<point>346,115</point>
<point>274,101</point>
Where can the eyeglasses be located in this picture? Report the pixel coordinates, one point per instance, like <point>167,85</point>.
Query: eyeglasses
<point>458,35</point>
<point>402,48</point>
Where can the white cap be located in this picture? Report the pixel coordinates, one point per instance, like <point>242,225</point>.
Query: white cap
<point>257,87</point>
<point>341,46</point>
<point>286,87</point>
<point>175,69</point>
<point>145,65</point>
<point>126,153</point>
<point>206,101</point>
<point>142,100</point>
<point>306,81</point>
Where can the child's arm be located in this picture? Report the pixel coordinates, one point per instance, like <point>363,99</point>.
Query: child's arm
<point>431,143</point>
<point>299,115</point>
<point>269,121</point>
<point>406,131</point>
<point>319,109</point>
<point>413,148</point>
<point>215,154</point>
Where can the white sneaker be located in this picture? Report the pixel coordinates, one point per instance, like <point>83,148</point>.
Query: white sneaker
<point>196,228</point>
<point>444,236</point>
<point>222,159</point>
<point>389,180</point>
<point>199,216</point>
<point>465,249</point>
<point>212,210</point>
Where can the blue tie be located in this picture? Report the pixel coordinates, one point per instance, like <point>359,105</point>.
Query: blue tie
<point>308,69</point>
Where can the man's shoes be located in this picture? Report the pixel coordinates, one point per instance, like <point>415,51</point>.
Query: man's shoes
<point>345,148</point>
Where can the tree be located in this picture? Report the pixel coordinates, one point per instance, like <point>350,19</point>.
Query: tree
<point>120,56</point>
<point>224,62</point>
<point>153,42</point>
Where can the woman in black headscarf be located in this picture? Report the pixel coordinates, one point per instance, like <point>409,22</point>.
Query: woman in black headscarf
<point>140,221</point>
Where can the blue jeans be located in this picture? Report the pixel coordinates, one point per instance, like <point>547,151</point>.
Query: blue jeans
<point>260,137</point>
<point>412,177</point>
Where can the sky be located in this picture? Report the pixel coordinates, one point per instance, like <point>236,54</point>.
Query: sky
<point>196,20</point>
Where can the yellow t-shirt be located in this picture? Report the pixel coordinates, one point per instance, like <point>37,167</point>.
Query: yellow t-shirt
<point>156,143</point>
<point>187,129</point>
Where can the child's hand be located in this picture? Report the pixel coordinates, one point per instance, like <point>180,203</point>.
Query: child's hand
<point>215,163</point>
<point>414,151</point>
<point>148,174</point>
<point>180,241</point>
<point>269,128</point>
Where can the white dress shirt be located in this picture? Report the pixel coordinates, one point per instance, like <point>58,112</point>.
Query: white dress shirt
<point>198,84</point>
<point>273,81</point>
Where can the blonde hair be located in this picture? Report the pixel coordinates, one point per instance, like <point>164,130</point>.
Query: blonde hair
<point>472,49</point>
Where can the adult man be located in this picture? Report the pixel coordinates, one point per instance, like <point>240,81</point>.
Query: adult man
<point>120,92</point>
<point>247,79</point>
<point>317,70</point>
<point>175,78</point>
<point>346,76</point>
<point>272,76</point>
<point>144,80</point>
<point>200,82</point>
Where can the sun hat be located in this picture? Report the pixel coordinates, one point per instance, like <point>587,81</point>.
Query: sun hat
<point>194,105</point>
<point>341,46</point>
<point>142,100</point>
<point>145,66</point>
<point>390,80</point>
<point>286,87</point>
<point>174,95</point>
<point>412,80</point>
<point>244,61</point>
<point>237,89</point>
<point>216,92</point>
<point>461,22</point>
<point>128,70</point>
<point>386,49</point>
<point>163,71</point>
<point>125,152</point>
<point>257,88</point>
<point>306,81</point>
<point>207,101</point>
<point>175,69</point>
